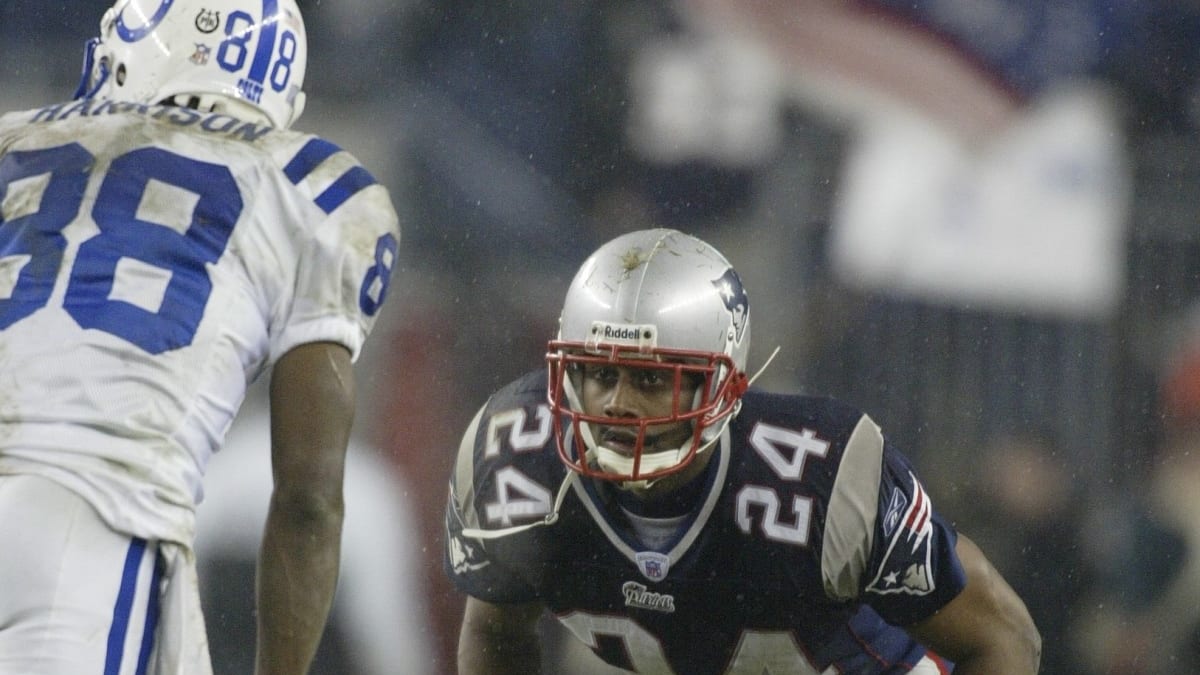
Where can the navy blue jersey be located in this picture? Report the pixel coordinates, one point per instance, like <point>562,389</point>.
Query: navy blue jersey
<point>812,541</point>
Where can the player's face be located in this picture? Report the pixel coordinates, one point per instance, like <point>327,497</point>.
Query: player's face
<point>628,393</point>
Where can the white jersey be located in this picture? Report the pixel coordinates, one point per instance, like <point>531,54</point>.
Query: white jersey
<point>153,261</point>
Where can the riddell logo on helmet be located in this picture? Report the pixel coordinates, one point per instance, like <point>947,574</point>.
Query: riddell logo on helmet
<point>621,333</point>
<point>627,334</point>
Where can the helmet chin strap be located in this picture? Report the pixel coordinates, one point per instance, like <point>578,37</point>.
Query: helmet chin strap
<point>615,462</point>
<point>90,82</point>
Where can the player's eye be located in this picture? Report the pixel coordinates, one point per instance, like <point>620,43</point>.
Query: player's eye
<point>603,374</point>
<point>649,378</point>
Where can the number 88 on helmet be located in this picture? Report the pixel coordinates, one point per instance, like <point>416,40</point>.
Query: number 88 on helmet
<point>246,58</point>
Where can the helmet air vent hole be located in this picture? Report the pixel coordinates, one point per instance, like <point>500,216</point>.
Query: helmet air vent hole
<point>121,74</point>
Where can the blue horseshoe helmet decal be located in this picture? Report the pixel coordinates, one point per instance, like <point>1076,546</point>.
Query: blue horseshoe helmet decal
<point>128,34</point>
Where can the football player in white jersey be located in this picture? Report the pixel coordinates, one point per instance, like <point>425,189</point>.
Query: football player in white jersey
<point>164,240</point>
<point>676,520</point>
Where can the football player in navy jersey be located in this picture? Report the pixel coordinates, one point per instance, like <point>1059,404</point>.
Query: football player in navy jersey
<point>676,520</point>
<point>165,239</point>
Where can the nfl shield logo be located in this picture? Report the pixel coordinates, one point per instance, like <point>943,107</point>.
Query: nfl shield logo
<point>654,566</point>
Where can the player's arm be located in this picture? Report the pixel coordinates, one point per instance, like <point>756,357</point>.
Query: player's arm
<point>986,628</point>
<point>312,408</point>
<point>499,639</point>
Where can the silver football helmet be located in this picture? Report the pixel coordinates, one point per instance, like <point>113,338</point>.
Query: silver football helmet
<point>242,57</point>
<point>652,299</point>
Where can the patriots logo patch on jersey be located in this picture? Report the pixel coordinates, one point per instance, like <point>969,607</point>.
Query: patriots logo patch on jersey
<point>465,555</point>
<point>909,539</point>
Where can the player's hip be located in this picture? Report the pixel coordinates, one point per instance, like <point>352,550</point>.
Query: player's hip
<point>81,597</point>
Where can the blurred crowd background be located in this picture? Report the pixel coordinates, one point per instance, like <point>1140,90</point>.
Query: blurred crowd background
<point>975,219</point>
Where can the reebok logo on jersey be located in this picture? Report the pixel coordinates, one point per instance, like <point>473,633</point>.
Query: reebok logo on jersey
<point>637,595</point>
<point>906,563</point>
<point>895,510</point>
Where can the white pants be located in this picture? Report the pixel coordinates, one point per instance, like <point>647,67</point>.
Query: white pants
<point>77,598</point>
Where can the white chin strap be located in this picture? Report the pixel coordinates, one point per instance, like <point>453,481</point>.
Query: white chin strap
<point>614,462</point>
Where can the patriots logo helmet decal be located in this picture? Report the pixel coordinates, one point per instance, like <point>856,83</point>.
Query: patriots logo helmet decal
<point>733,294</point>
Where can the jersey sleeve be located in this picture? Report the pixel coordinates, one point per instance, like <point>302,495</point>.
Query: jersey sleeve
<point>480,559</point>
<point>914,568</point>
<point>346,252</point>
<point>473,568</point>
<point>884,543</point>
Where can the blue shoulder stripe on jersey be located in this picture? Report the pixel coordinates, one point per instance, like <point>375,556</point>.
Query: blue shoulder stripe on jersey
<point>346,186</point>
<point>310,156</point>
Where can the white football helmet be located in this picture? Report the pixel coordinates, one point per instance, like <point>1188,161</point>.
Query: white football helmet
<point>650,299</point>
<point>243,57</point>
